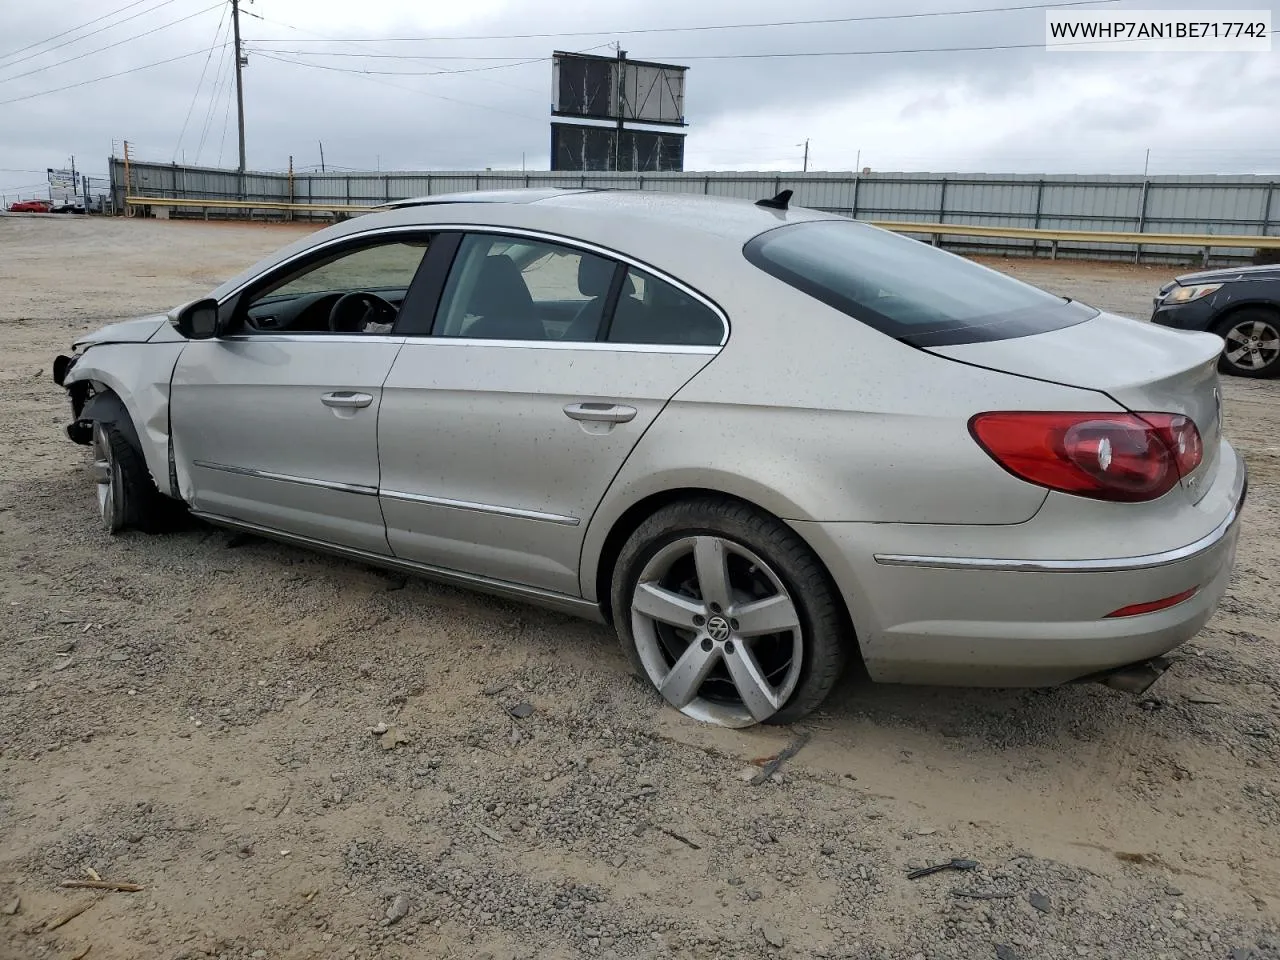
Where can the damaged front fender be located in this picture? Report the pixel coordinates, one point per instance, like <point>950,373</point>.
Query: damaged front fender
<point>127,383</point>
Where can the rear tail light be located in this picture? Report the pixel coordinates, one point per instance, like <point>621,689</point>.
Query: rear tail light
<point>1125,457</point>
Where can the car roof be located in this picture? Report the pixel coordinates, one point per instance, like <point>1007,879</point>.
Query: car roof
<point>480,196</point>
<point>648,216</point>
<point>677,233</point>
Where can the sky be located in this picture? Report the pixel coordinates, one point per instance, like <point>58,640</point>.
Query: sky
<point>437,101</point>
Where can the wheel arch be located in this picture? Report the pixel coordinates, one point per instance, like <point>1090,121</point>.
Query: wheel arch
<point>105,406</point>
<point>600,570</point>
<point>1236,306</point>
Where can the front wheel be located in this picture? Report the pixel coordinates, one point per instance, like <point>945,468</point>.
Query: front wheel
<point>127,497</point>
<point>1252,347</point>
<point>728,613</point>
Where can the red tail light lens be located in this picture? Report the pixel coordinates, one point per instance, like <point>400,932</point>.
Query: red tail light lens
<point>1180,435</point>
<point>1108,456</point>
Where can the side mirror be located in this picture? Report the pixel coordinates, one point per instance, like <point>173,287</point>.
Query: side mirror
<point>198,320</point>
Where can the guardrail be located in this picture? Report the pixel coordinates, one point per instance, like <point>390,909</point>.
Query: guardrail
<point>1205,241</point>
<point>250,205</point>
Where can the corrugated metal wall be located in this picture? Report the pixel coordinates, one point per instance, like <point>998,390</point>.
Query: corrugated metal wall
<point>1172,204</point>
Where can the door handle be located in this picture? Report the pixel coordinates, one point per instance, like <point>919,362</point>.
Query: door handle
<point>346,399</point>
<point>600,412</point>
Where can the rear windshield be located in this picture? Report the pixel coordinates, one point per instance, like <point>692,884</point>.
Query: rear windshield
<point>907,289</point>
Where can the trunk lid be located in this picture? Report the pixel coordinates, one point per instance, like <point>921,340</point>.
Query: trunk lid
<point>1143,367</point>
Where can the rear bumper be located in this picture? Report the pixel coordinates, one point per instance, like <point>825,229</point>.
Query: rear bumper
<point>985,617</point>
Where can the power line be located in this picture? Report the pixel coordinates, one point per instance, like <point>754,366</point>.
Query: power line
<point>407,73</point>
<point>108,76</point>
<point>226,114</point>
<point>709,56</point>
<point>213,100</point>
<point>396,56</point>
<point>199,83</point>
<point>877,53</point>
<point>434,96</point>
<point>518,61</point>
<point>723,26</point>
<point>38,43</point>
<point>109,26</point>
<point>89,53</point>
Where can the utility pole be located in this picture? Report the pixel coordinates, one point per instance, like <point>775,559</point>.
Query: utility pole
<point>127,187</point>
<point>622,92</point>
<point>321,142</point>
<point>806,154</point>
<point>1146,164</point>
<point>240,62</point>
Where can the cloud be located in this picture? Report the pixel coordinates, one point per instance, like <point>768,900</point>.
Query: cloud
<point>993,111</point>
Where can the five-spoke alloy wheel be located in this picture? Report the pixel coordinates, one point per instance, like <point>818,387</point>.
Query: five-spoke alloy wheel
<point>728,614</point>
<point>1252,346</point>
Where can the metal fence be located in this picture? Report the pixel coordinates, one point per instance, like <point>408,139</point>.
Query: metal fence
<point>1247,205</point>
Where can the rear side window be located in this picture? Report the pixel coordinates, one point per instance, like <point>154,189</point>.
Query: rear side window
<point>651,310</point>
<point>512,288</point>
<point>907,289</point>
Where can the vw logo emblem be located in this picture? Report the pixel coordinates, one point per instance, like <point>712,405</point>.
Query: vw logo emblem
<point>718,628</point>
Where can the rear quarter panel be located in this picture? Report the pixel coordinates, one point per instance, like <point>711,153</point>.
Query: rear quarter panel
<point>815,417</point>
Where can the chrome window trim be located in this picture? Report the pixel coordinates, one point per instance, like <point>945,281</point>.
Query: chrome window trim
<point>356,488</point>
<point>568,345</point>
<point>1116,565</point>
<point>486,508</point>
<point>316,336</point>
<point>542,235</point>
<point>537,595</point>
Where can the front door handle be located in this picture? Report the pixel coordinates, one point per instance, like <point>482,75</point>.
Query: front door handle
<point>600,412</point>
<point>346,399</point>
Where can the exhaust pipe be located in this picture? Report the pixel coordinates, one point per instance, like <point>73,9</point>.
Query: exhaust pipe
<point>1135,678</point>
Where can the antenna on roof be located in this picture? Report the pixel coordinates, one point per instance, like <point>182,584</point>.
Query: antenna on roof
<point>779,202</point>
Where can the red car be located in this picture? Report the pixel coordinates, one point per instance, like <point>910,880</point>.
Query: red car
<point>30,206</point>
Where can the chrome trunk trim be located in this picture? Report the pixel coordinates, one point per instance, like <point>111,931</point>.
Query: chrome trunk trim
<point>1112,565</point>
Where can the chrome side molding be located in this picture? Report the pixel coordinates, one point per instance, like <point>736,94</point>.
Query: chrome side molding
<point>517,512</point>
<point>356,488</point>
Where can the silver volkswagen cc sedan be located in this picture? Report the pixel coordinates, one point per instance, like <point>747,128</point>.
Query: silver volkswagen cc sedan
<point>758,440</point>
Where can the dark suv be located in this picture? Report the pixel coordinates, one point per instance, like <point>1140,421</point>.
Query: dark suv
<point>1239,304</point>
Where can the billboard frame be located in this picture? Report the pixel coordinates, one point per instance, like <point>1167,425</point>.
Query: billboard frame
<point>621,67</point>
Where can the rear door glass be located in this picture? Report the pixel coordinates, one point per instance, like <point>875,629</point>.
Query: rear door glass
<point>651,310</point>
<point>907,289</point>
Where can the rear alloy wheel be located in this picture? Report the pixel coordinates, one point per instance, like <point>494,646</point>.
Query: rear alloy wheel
<point>1252,344</point>
<point>729,614</point>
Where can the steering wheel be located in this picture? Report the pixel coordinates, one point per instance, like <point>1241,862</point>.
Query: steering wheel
<point>351,311</point>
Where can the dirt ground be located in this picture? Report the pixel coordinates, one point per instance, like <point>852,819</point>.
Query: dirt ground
<point>192,712</point>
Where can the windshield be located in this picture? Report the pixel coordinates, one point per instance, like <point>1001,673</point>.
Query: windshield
<point>907,289</point>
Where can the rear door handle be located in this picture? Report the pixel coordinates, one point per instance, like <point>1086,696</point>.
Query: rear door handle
<point>600,412</point>
<point>346,399</point>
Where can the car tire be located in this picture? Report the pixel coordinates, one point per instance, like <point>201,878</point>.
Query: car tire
<point>702,657</point>
<point>127,496</point>
<point>1253,335</point>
